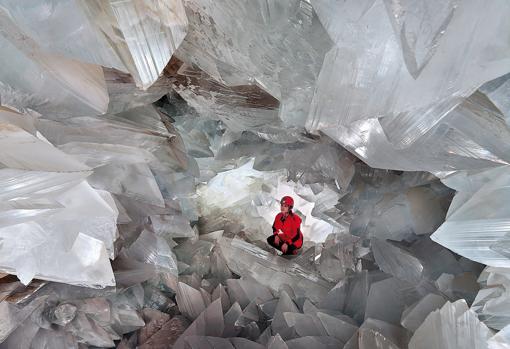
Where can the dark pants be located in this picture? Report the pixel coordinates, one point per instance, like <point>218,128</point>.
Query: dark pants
<point>290,248</point>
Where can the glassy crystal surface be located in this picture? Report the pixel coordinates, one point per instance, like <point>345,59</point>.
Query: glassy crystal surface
<point>454,325</point>
<point>146,145</point>
<point>474,232</point>
<point>138,37</point>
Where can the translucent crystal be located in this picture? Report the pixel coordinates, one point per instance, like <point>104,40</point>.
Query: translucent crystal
<point>139,37</point>
<point>314,342</point>
<point>244,291</point>
<point>500,340</point>
<point>209,322</point>
<point>22,336</point>
<point>378,334</point>
<point>271,271</point>
<point>172,226</point>
<point>388,298</point>
<point>190,301</point>
<point>420,26</point>
<point>352,83</point>
<point>168,334</point>
<point>284,57</point>
<point>23,151</point>
<point>54,339</point>
<point>497,91</point>
<point>231,317</point>
<point>285,305</point>
<point>397,261</point>
<point>220,292</point>
<point>305,325</point>
<point>87,261</point>
<point>45,82</point>
<point>152,249</point>
<point>134,181</point>
<point>472,231</point>
<point>277,342</point>
<point>13,316</point>
<point>125,95</point>
<point>414,316</point>
<point>453,326</point>
<point>492,302</point>
<point>336,327</point>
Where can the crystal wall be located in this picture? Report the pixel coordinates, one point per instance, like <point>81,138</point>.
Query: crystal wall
<point>145,146</point>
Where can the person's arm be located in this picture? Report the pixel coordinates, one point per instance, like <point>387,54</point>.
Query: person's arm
<point>297,236</point>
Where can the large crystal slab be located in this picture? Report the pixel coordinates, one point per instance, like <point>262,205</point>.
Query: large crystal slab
<point>23,210</point>
<point>244,291</point>
<point>49,237</point>
<point>88,222</point>
<point>32,254</point>
<point>172,226</point>
<point>414,316</point>
<point>318,342</point>
<point>190,301</point>
<point>241,108</point>
<point>21,150</point>
<point>377,334</point>
<point>305,324</point>
<point>20,183</point>
<point>435,259</point>
<point>336,327</point>
<point>96,155</point>
<point>284,57</point>
<point>388,298</point>
<point>168,334</point>
<point>152,249</point>
<point>135,181</point>
<point>134,36</point>
<point>124,94</point>
<point>492,302</point>
<point>500,340</point>
<point>420,28</point>
<point>451,144</point>
<point>479,226</point>
<point>452,326</point>
<point>94,214</point>
<point>497,91</point>
<point>284,306</point>
<point>366,38</point>
<point>397,261</point>
<point>32,78</point>
<point>109,129</point>
<point>21,337</point>
<point>13,316</point>
<point>272,271</point>
<point>209,323</point>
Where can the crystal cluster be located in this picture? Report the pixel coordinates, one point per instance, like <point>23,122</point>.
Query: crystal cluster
<point>145,145</point>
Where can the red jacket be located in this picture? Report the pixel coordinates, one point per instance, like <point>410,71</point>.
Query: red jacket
<point>291,229</point>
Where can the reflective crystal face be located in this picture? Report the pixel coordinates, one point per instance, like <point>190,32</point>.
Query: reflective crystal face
<point>146,145</point>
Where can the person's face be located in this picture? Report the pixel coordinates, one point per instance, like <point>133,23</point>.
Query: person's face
<point>284,208</point>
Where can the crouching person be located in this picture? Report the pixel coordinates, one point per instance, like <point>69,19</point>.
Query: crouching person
<point>287,236</point>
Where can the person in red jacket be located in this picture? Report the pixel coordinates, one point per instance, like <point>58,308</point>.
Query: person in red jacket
<point>287,236</point>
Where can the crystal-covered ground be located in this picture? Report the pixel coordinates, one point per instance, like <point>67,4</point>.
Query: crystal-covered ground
<point>145,145</point>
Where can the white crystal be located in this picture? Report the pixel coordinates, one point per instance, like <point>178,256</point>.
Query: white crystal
<point>453,326</point>
<point>476,227</point>
<point>134,36</point>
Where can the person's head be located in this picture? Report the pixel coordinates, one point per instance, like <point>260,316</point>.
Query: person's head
<point>286,204</point>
